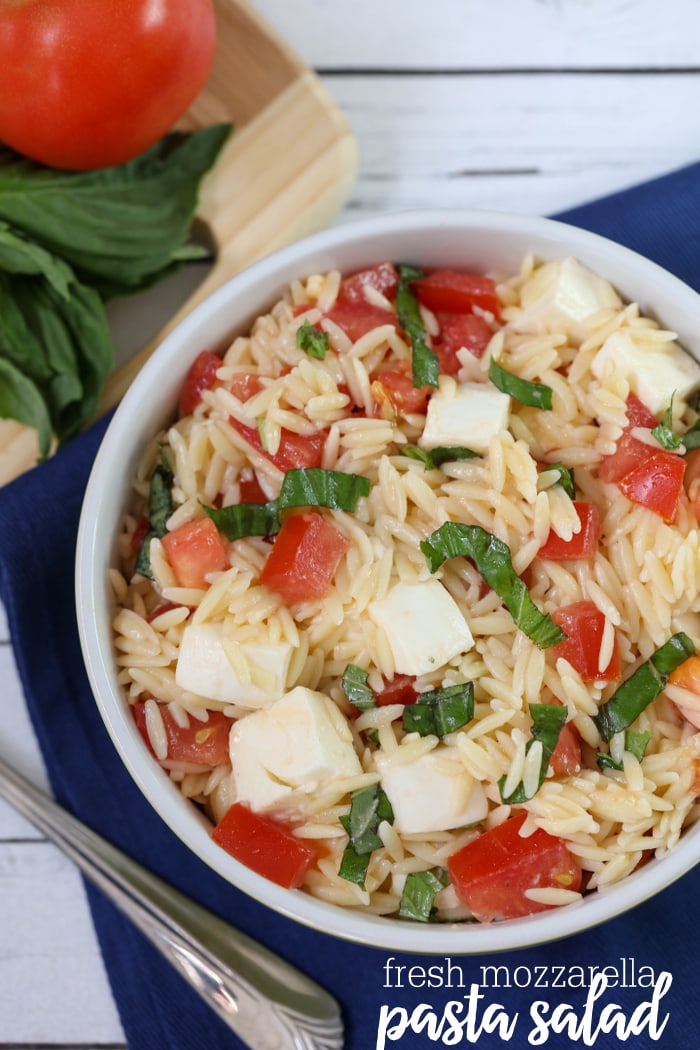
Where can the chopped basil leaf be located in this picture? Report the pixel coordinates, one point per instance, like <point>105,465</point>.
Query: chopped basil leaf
<point>537,395</point>
<point>606,761</point>
<point>160,507</point>
<point>493,561</point>
<point>424,361</point>
<point>245,519</point>
<point>310,487</point>
<point>664,432</point>
<point>440,711</point>
<point>368,808</point>
<point>642,687</point>
<point>548,720</point>
<point>312,341</point>
<point>566,478</point>
<point>691,438</point>
<point>635,743</point>
<point>354,683</point>
<point>419,893</point>
<point>315,487</point>
<point>434,459</point>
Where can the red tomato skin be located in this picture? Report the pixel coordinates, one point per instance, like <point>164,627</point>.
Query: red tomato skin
<point>250,490</point>
<point>394,390</point>
<point>491,873</point>
<point>583,624</point>
<point>400,690</point>
<point>245,384</point>
<point>265,845</point>
<point>457,331</point>
<point>201,377</point>
<point>656,484</point>
<point>629,451</point>
<point>201,743</point>
<point>91,85</point>
<point>357,317</point>
<point>565,760</point>
<point>303,560</point>
<point>383,277</point>
<point>194,550</point>
<point>638,415</point>
<point>295,451</point>
<point>454,292</point>
<point>583,544</point>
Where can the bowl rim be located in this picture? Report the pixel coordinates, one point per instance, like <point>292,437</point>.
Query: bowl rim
<point>92,600</point>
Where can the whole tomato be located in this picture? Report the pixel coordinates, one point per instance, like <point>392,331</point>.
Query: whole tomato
<point>92,83</point>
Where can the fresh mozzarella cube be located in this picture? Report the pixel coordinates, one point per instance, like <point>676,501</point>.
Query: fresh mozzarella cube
<point>467,414</point>
<point>423,625</point>
<point>562,295</point>
<point>248,674</point>
<point>432,793</point>
<point>301,741</point>
<point>656,372</point>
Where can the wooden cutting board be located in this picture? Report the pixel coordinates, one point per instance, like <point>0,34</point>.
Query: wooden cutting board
<point>285,172</point>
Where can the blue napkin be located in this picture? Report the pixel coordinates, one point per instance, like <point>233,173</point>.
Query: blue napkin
<point>381,1003</point>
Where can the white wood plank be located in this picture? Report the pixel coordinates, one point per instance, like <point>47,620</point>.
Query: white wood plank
<point>528,144</point>
<point>49,955</point>
<point>499,34</point>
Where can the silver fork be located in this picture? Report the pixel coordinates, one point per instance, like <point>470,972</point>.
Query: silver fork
<point>269,1004</point>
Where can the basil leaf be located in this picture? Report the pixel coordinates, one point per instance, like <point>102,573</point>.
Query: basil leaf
<point>664,433</point>
<point>548,720</point>
<point>691,438</point>
<point>434,459</point>
<point>354,683</point>
<point>20,400</point>
<point>419,893</point>
<point>566,478</point>
<point>635,743</point>
<point>642,687</point>
<point>312,341</point>
<point>119,228</point>
<point>315,487</point>
<point>368,808</point>
<point>537,395</point>
<point>245,519</point>
<point>440,711</point>
<point>493,561</point>
<point>160,507</point>
<point>424,362</point>
<point>353,865</point>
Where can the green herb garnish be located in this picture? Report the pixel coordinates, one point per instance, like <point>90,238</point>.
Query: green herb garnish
<point>312,341</point>
<point>664,432</point>
<point>424,362</point>
<point>537,395</point>
<point>548,720</point>
<point>642,687</point>
<point>566,478</point>
<point>493,561</point>
<point>434,458</point>
<point>368,808</point>
<point>440,711</point>
<point>160,507</point>
<point>419,893</point>
<point>635,743</point>
<point>354,683</point>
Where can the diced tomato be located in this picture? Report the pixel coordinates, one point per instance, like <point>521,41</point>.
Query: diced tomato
<point>400,690</point>
<point>245,384</point>
<point>394,394</point>
<point>583,624</point>
<point>357,317</point>
<point>250,490</point>
<point>295,451</point>
<point>139,535</point>
<point>454,292</point>
<point>629,451</point>
<point>160,609</point>
<point>200,743</point>
<point>656,483</point>
<point>201,376</point>
<point>303,560</point>
<point>687,676</point>
<point>692,474</point>
<point>492,872</point>
<point>565,760</point>
<point>265,845</point>
<point>583,544</point>
<point>194,550</point>
<point>638,415</point>
<point>457,331</point>
<point>383,277</point>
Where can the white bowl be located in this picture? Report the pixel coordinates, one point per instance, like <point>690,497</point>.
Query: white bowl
<point>480,241</point>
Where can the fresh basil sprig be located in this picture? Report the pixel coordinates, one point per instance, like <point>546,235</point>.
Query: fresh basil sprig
<point>643,686</point>
<point>424,362</point>
<point>419,893</point>
<point>368,808</point>
<point>305,487</point>
<point>493,561</point>
<point>440,711</point>
<point>548,720</point>
<point>664,432</point>
<point>433,459</point>
<point>312,341</point>
<point>536,395</point>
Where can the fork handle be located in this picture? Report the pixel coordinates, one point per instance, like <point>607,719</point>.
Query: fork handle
<point>267,1002</point>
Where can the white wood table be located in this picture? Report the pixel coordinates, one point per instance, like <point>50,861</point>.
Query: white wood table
<point>521,105</point>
